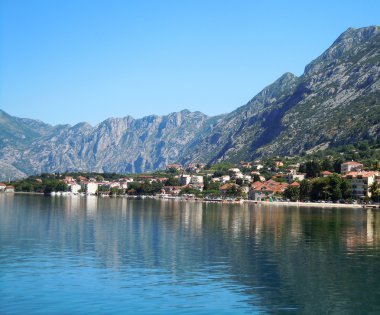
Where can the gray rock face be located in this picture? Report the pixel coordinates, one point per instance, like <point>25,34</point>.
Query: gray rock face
<point>122,145</point>
<point>335,101</point>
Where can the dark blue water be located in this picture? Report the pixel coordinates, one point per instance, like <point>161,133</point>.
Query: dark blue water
<point>78,255</point>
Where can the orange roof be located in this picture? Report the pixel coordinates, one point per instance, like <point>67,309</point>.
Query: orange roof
<point>3,185</point>
<point>227,186</point>
<point>363,174</point>
<point>296,184</point>
<point>269,185</point>
<point>326,173</point>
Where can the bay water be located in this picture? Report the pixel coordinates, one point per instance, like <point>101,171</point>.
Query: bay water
<point>89,255</point>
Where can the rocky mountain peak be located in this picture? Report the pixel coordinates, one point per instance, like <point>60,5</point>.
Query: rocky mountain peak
<point>347,44</point>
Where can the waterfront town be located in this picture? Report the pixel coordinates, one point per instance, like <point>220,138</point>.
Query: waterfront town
<point>349,182</point>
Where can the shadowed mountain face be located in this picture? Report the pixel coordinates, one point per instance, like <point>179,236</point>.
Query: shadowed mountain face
<point>335,101</point>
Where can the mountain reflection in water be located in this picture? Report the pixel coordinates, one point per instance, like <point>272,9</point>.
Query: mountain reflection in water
<point>112,255</point>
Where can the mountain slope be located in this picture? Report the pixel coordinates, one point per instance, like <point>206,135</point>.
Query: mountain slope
<point>335,101</point>
<point>115,145</point>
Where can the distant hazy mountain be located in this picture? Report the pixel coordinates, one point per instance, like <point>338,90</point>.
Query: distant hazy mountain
<point>335,101</point>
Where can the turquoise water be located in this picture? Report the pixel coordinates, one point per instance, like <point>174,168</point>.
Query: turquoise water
<point>83,255</point>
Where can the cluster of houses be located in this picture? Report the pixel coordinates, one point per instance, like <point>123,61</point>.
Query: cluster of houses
<point>359,179</point>
<point>91,186</point>
<point>247,179</point>
<point>6,188</point>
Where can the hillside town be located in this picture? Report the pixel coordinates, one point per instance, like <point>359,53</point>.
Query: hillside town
<point>255,181</point>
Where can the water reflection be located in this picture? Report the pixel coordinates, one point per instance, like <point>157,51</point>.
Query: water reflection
<point>280,259</point>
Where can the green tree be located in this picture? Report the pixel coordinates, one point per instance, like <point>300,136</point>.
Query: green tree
<point>305,189</point>
<point>172,181</point>
<point>327,165</point>
<point>375,191</point>
<point>256,178</point>
<point>292,193</point>
<point>311,168</point>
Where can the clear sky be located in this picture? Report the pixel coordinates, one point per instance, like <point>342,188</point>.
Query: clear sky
<point>67,61</point>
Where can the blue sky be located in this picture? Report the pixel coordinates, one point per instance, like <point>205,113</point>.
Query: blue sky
<point>67,61</point>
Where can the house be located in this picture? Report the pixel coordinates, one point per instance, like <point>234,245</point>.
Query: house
<point>81,178</point>
<point>258,166</point>
<point>74,187</point>
<point>326,174</point>
<point>162,179</point>
<point>68,179</point>
<point>295,184</point>
<point>245,164</point>
<point>235,173</point>
<point>143,178</point>
<point>177,167</point>
<point>90,187</point>
<point>262,178</point>
<point>278,164</point>
<point>184,180</point>
<point>196,182</point>
<point>224,188</point>
<point>2,186</point>
<point>247,179</point>
<point>225,178</point>
<point>361,183</point>
<point>172,190</point>
<point>351,166</point>
<point>265,190</point>
<point>291,177</point>
<point>9,189</point>
<point>196,167</point>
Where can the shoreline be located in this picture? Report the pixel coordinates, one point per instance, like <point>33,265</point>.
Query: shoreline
<point>307,204</point>
<point>274,203</point>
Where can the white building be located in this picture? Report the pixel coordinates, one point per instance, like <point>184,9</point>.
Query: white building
<point>361,183</point>
<point>225,178</point>
<point>351,166</point>
<point>196,180</point>
<point>184,179</point>
<point>235,173</point>
<point>90,188</point>
<point>2,186</point>
<point>291,177</point>
<point>74,187</point>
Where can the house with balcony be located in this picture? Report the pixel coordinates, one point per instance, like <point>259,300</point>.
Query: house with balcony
<point>361,183</point>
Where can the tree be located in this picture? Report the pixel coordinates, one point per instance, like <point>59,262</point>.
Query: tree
<point>256,178</point>
<point>337,165</point>
<point>345,188</point>
<point>292,193</point>
<point>305,189</point>
<point>311,168</point>
<point>375,191</point>
<point>234,191</point>
<point>327,165</point>
<point>172,181</point>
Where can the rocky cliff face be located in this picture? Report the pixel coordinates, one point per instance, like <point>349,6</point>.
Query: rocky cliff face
<point>335,101</point>
<point>122,145</point>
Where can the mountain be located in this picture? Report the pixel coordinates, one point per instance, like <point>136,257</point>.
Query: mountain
<point>122,145</point>
<point>335,101</point>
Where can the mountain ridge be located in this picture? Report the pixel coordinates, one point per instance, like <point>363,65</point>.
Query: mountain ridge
<point>335,101</point>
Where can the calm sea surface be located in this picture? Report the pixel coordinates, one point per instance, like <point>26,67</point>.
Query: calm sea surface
<point>84,255</point>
